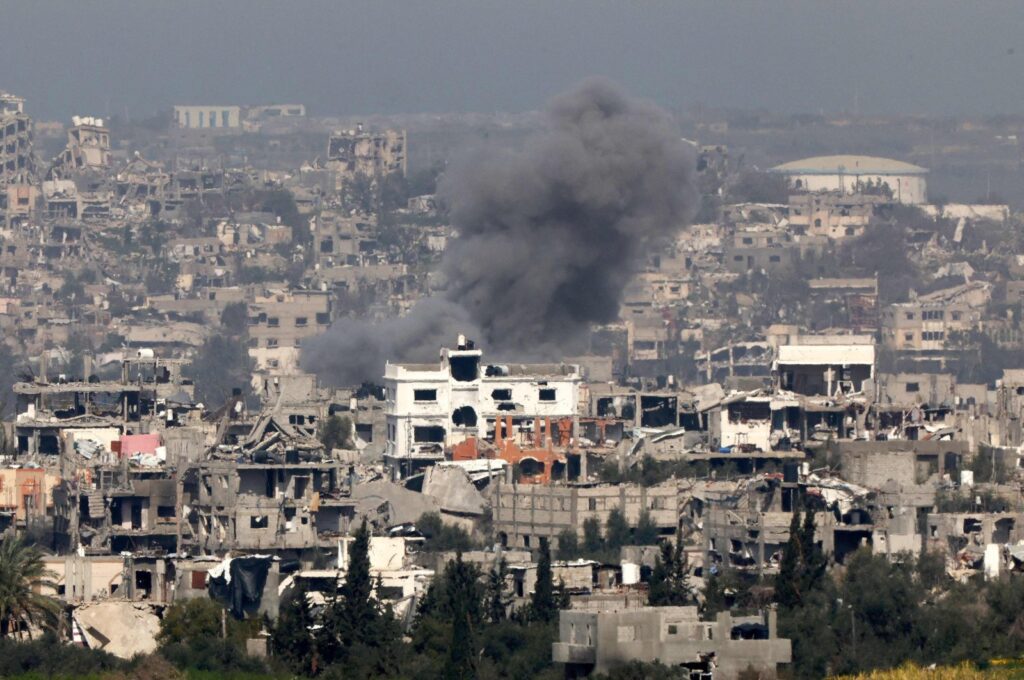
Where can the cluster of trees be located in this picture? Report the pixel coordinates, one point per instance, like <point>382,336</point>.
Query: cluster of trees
<point>873,612</point>
<point>605,546</point>
<point>464,627</point>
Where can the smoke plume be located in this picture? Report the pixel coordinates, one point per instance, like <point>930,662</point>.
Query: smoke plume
<point>548,237</point>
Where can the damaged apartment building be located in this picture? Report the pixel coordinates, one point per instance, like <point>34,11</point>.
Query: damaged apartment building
<point>460,401</point>
<point>18,167</point>
<point>113,446</point>
<point>356,151</point>
<point>276,488</point>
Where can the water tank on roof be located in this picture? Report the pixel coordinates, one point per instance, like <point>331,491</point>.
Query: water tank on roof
<point>630,573</point>
<point>146,353</point>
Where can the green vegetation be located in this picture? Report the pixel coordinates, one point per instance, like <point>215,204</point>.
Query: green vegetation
<point>441,537</point>
<point>670,579</point>
<point>879,614</point>
<point>463,628</point>
<point>22,574</point>
<point>606,546</point>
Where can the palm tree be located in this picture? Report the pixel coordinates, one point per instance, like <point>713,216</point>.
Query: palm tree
<point>22,575</point>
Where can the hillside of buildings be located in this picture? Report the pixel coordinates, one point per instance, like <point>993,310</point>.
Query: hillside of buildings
<point>279,400</point>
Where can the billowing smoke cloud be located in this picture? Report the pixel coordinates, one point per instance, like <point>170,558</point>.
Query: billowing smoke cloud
<point>549,235</point>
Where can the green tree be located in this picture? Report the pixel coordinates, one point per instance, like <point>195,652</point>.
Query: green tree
<point>543,605</point>
<point>617,529</point>
<point>291,638</point>
<point>497,596</point>
<point>357,611</point>
<point>568,544</point>
<point>358,637</point>
<point>593,543</point>
<point>646,531</point>
<point>22,574</point>
<point>462,587</point>
<point>670,579</point>
<point>787,587</point>
<point>442,537</point>
<point>191,620</point>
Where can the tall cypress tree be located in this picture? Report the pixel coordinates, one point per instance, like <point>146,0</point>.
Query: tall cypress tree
<point>543,606</point>
<point>670,580</point>
<point>814,561</point>
<point>351,614</point>
<point>462,589</point>
<point>358,611</point>
<point>291,638</point>
<point>497,600</point>
<point>787,586</point>
<point>680,575</point>
<point>593,544</point>
<point>658,593</point>
<point>617,532</point>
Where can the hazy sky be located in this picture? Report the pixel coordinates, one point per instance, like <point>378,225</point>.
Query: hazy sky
<point>347,57</point>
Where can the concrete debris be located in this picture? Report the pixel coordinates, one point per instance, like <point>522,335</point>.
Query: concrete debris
<point>122,628</point>
<point>453,490</point>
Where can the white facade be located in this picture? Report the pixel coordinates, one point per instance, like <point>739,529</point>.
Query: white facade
<point>431,407</point>
<point>851,174</point>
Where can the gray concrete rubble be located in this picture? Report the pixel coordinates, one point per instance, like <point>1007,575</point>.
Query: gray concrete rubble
<point>452,489</point>
<point>122,628</point>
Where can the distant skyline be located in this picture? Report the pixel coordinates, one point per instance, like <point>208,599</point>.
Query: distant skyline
<point>346,57</point>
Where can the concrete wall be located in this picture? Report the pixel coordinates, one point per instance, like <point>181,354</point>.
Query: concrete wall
<point>524,513</point>
<point>599,641</point>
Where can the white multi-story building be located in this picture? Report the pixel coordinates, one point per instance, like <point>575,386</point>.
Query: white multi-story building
<point>432,407</point>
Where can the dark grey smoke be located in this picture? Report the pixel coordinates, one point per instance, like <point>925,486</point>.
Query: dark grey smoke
<point>549,235</point>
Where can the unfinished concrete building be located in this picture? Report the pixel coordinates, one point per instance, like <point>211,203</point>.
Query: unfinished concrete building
<point>827,366</point>
<point>16,159</point>
<point>526,514</point>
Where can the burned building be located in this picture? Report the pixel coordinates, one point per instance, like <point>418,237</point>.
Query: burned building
<point>431,408</point>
